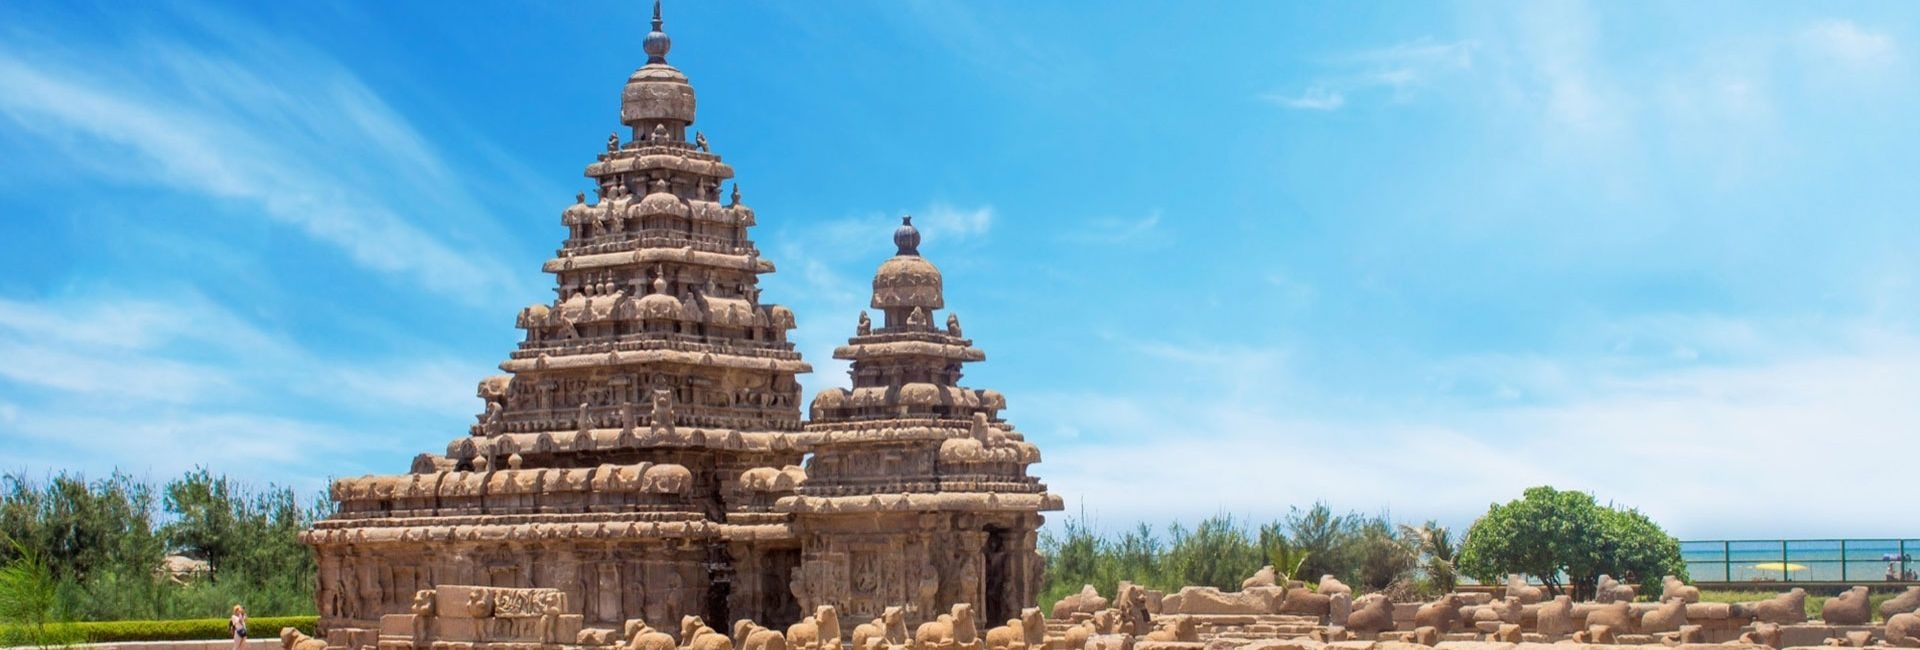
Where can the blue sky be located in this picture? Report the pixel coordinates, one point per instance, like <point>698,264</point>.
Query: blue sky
<point>1222,256</point>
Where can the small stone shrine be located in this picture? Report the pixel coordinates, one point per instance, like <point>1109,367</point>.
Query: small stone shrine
<point>644,456</point>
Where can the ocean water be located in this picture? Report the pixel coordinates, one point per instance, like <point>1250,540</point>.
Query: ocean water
<point>1858,560</point>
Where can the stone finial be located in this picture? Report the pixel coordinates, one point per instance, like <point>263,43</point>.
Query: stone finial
<point>735,198</point>
<point>907,237</point>
<point>657,43</point>
<point>514,461</point>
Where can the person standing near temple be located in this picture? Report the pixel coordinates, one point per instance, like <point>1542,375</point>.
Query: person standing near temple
<point>237,625</point>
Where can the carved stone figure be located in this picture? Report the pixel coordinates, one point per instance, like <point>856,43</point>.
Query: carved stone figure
<point>955,630</point>
<point>1788,608</point>
<point>1262,578</point>
<point>1330,585</point>
<point>642,637</point>
<point>1517,587</point>
<point>1903,630</point>
<point>1439,614</point>
<point>1610,590</point>
<point>1672,587</point>
<point>613,141</point>
<point>1617,616</point>
<point>1301,600</point>
<point>552,605</point>
<point>1555,617</point>
<point>1667,618</point>
<point>697,636</point>
<point>1087,601</point>
<point>293,639</point>
<point>866,325</point>
<point>890,627</point>
<point>1178,628</point>
<point>1372,614</point>
<point>1907,602</point>
<point>1763,633</point>
<point>700,141</point>
<point>953,325</point>
<point>662,414</point>
<point>821,630</point>
<point>479,603</point>
<point>422,610</point>
<point>1011,636</point>
<point>1595,635</point>
<point>1848,608</point>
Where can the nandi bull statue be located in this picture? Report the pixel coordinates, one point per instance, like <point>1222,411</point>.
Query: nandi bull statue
<point>955,631</point>
<point>821,631</point>
<point>889,629</point>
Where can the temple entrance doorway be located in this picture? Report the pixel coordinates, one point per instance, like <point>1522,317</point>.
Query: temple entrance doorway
<point>777,605</point>
<point>1000,606</point>
<point>719,585</point>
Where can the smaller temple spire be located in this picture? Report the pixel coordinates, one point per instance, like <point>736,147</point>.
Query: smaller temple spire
<point>907,237</point>
<point>657,42</point>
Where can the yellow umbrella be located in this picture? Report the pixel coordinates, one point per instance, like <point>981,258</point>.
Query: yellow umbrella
<point>1780,566</point>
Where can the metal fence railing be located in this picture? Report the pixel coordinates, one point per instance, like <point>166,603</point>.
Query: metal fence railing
<point>1801,560</point>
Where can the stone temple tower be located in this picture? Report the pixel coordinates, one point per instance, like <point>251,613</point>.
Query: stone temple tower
<point>917,492</point>
<point>643,457</point>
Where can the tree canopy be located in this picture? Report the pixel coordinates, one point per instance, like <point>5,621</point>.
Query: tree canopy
<point>1566,539</point>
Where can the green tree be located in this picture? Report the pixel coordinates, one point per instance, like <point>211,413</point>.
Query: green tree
<point>1437,551</point>
<point>1567,539</point>
<point>1327,539</point>
<point>1280,551</point>
<point>1218,553</point>
<point>30,611</point>
<point>1382,557</point>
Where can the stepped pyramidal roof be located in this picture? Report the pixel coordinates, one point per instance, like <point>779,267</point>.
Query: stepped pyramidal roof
<point>644,455</point>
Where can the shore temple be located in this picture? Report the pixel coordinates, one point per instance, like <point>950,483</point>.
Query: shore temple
<point>645,455</point>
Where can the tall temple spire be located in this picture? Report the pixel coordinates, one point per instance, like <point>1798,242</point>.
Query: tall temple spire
<point>657,95</point>
<point>657,42</point>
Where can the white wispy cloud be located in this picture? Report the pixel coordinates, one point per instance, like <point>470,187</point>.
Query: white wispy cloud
<point>1850,43</point>
<point>168,380</point>
<point>1315,98</point>
<point>948,221</point>
<point>326,156</point>
<point>1111,230</point>
<point>1674,439</point>
<point>1396,70</point>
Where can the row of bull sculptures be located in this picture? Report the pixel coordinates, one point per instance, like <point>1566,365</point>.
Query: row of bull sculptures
<point>1326,616</point>
<point>1522,613</point>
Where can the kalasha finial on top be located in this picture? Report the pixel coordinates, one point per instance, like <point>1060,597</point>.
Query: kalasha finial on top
<point>907,237</point>
<point>657,42</point>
